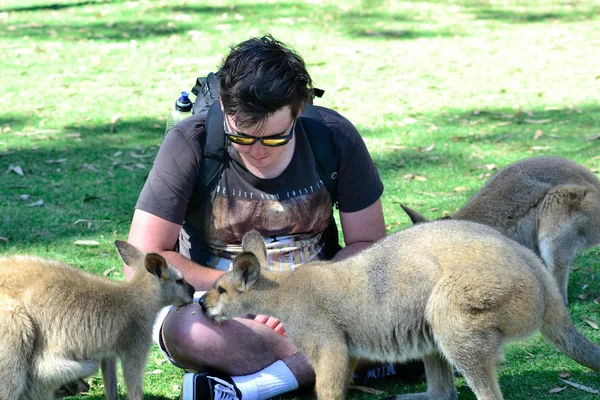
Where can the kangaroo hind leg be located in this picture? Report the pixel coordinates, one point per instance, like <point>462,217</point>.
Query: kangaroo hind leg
<point>475,354</point>
<point>440,381</point>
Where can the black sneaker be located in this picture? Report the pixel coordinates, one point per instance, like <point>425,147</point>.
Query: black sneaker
<point>209,386</point>
<point>410,371</point>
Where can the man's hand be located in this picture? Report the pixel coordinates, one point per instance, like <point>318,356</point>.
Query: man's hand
<point>272,323</point>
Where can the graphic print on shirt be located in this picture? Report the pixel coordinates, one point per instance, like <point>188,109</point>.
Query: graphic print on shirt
<point>294,219</point>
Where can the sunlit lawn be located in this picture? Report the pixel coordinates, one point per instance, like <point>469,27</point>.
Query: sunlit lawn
<point>444,93</point>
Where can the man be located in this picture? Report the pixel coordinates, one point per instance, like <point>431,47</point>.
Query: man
<point>270,183</point>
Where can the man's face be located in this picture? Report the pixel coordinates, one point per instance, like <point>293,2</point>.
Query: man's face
<point>258,155</point>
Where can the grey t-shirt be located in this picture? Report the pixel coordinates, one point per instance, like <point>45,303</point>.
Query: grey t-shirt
<point>292,210</point>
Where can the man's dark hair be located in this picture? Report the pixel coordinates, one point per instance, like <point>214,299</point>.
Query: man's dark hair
<point>259,77</point>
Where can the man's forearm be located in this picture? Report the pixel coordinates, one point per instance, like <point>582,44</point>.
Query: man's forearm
<point>351,249</point>
<point>200,277</point>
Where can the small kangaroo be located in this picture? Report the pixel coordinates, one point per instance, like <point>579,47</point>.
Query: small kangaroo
<point>451,292</point>
<point>548,204</point>
<point>58,323</point>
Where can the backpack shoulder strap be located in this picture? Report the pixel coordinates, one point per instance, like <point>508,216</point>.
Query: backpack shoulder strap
<point>321,143</point>
<point>214,150</point>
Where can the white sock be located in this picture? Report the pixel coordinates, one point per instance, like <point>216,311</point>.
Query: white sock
<point>274,380</point>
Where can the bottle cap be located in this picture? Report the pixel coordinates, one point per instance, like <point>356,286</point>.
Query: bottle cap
<point>184,103</point>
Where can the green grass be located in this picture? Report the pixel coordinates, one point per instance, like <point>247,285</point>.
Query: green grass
<point>444,93</point>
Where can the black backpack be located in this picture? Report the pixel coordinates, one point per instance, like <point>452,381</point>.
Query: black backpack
<point>319,136</point>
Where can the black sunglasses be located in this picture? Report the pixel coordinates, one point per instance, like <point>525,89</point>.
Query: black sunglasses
<point>269,141</point>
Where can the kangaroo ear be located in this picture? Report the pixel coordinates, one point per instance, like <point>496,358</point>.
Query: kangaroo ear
<point>414,216</point>
<point>246,270</point>
<point>253,242</point>
<point>129,253</point>
<point>156,264</point>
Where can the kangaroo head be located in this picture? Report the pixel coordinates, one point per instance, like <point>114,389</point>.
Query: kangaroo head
<point>174,289</point>
<point>228,297</point>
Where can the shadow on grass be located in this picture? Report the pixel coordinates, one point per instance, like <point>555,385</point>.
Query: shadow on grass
<point>519,17</point>
<point>104,170</point>
<point>159,20</point>
<point>568,131</point>
<point>522,12</point>
<point>53,6</point>
<point>73,188</point>
<point>531,12</point>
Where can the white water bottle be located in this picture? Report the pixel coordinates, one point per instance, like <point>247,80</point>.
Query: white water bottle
<point>182,110</point>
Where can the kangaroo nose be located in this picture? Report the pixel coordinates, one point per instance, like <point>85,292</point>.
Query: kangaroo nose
<point>202,305</point>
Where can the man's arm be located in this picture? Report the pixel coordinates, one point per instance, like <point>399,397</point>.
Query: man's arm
<point>150,233</point>
<point>361,229</point>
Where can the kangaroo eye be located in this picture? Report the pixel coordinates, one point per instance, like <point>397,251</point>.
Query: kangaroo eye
<point>221,290</point>
<point>179,282</point>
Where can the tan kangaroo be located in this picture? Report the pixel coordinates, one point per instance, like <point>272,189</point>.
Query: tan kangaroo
<point>58,322</point>
<point>451,292</point>
<point>549,204</point>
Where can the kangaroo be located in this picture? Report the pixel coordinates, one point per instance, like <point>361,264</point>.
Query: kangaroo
<point>58,323</point>
<point>451,292</point>
<point>548,204</point>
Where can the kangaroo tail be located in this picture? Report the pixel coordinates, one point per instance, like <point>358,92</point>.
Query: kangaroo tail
<point>559,330</point>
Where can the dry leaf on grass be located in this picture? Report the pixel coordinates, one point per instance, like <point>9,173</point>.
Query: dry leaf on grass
<point>60,160</point>
<point>3,239</point>
<point>429,148</point>
<point>160,361</point>
<point>557,389</point>
<point>538,134</point>
<point>580,386</point>
<point>109,271</point>
<point>537,121</point>
<point>36,204</point>
<point>89,222</point>
<point>16,169</point>
<point>408,177</point>
<point>540,148</point>
<point>591,323</point>
<point>590,138</point>
<point>135,155</point>
<point>86,243</point>
<point>564,374</point>
<point>461,189</point>
<point>155,372</point>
